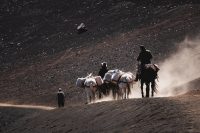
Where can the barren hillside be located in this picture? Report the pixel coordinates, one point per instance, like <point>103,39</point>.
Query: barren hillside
<point>41,50</point>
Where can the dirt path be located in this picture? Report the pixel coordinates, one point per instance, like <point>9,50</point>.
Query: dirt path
<point>10,113</point>
<point>27,106</point>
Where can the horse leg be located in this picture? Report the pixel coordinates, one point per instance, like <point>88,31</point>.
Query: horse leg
<point>153,88</point>
<point>95,93</point>
<point>92,93</point>
<point>99,88</point>
<point>100,95</point>
<point>88,96</point>
<point>147,89</point>
<point>142,83</point>
<point>90,99</point>
<point>117,91</point>
<point>125,93</point>
<point>114,92</point>
<point>108,88</point>
<point>120,94</point>
<point>93,96</point>
<point>129,90</point>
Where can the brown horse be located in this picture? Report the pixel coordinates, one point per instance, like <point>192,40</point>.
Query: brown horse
<point>149,76</point>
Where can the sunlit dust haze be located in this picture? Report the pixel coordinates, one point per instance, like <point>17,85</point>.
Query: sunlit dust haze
<point>135,93</point>
<point>27,106</point>
<point>105,98</point>
<point>180,68</point>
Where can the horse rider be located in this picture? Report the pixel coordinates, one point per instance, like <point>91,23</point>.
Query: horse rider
<point>144,58</point>
<point>103,69</point>
<point>60,98</point>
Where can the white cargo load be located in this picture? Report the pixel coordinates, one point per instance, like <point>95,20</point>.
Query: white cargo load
<point>107,77</point>
<point>115,76</point>
<point>80,82</point>
<point>127,77</point>
<point>90,82</point>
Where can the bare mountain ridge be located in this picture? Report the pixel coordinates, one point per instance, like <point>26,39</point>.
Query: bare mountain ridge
<point>41,51</point>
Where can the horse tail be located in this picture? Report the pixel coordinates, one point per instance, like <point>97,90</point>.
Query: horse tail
<point>156,77</point>
<point>155,85</point>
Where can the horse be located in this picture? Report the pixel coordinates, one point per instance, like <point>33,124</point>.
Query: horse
<point>91,85</point>
<point>106,88</point>
<point>119,83</point>
<point>148,76</point>
<point>125,84</point>
<point>90,88</point>
<point>111,83</point>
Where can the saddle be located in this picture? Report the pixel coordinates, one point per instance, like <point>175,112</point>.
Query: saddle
<point>153,67</point>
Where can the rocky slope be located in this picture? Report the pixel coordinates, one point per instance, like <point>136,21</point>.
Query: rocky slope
<point>41,50</point>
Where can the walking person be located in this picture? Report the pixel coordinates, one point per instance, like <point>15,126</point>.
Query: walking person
<point>60,98</point>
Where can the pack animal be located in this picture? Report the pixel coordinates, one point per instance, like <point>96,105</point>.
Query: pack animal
<point>148,77</point>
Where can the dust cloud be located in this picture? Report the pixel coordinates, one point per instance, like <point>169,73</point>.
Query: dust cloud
<point>105,98</point>
<point>179,68</point>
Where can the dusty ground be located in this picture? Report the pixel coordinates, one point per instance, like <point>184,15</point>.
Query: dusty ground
<point>172,114</point>
<point>167,114</point>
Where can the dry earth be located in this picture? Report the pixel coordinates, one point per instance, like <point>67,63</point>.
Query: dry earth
<point>173,114</point>
<point>168,114</point>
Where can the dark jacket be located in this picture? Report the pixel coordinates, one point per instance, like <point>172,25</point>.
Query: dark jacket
<point>145,57</point>
<point>103,71</point>
<point>61,98</point>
